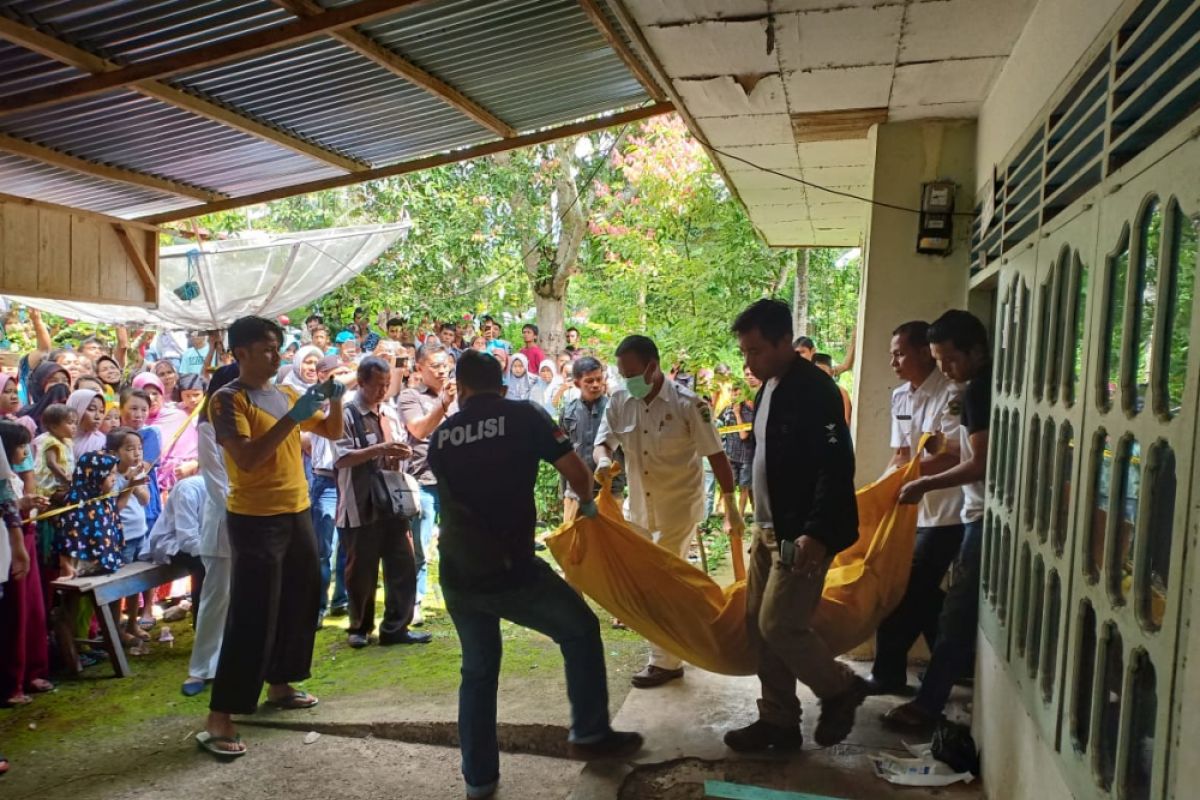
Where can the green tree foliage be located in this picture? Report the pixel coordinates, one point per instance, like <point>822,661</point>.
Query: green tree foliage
<point>667,251</point>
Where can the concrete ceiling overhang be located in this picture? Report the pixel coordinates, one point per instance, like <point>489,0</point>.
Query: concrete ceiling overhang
<point>755,79</point>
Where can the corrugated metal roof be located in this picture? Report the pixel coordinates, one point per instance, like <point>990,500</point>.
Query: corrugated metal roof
<point>23,69</point>
<point>136,30</point>
<point>53,185</point>
<point>333,96</point>
<point>531,63</point>
<point>142,134</point>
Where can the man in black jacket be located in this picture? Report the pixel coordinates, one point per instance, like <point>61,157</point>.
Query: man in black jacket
<point>805,514</point>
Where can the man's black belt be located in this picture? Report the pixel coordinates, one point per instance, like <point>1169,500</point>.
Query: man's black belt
<point>325,473</point>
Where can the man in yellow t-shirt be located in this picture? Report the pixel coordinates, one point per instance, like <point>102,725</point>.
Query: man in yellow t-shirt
<point>274,591</point>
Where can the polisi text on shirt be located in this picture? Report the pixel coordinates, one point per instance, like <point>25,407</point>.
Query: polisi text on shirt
<point>466,434</point>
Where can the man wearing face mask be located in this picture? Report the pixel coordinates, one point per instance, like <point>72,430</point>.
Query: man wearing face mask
<point>664,430</point>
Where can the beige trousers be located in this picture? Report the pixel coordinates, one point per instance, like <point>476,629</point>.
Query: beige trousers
<point>676,541</point>
<point>779,609</point>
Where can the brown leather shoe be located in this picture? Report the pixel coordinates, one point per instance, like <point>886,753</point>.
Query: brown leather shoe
<point>653,676</point>
<point>910,717</point>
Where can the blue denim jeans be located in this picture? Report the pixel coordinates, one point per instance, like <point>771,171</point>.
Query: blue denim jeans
<point>546,604</point>
<point>431,505</point>
<point>954,654</point>
<point>323,496</point>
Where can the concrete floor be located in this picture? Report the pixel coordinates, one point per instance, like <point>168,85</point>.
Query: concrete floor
<point>683,723</point>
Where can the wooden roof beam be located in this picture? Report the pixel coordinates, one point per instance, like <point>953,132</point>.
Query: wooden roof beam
<point>221,52</point>
<point>600,22</point>
<point>393,62</point>
<point>65,53</point>
<point>142,180</point>
<point>418,164</point>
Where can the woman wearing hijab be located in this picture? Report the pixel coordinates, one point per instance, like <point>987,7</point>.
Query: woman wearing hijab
<point>47,375</point>
<point>520,380</point>
<point>540,393</point>
<point>108,371</point>
<point>304,369</point>
<point>163,415</point>
<point>89,409</point>
<point>179,460</point>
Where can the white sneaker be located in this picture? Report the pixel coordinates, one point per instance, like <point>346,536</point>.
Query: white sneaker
<point>418,619</point>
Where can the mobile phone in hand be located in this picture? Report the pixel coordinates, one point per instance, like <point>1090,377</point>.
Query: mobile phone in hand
<point>326,388</point>
<point>787,552</point>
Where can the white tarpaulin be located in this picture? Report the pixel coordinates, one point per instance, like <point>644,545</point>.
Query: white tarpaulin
<point>265,274</point>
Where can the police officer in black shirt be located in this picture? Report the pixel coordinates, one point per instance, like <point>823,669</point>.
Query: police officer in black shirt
<point>486,461</point>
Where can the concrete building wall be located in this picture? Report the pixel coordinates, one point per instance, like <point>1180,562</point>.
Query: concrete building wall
<point>899,284</point>
<point>1057,36</point>
<point>1017,763</point>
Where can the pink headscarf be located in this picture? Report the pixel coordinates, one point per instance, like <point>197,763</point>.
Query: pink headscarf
<point>79,400</point>
<point>173,428</point>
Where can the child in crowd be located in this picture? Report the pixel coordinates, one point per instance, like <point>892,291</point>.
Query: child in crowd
<point>89,540</point>
<point>126,444</point>
<point>135,409</point>
<point>88,405</point>
<point>55,461</point>
<point>112,418</point>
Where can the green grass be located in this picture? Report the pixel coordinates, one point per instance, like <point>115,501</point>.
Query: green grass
<point>149,709</point>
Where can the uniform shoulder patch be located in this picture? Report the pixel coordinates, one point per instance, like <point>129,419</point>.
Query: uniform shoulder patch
<point>560,435</point>
<point>705,411</point>
<point>955,406</point>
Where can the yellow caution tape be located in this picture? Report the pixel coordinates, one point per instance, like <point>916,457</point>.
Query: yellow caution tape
<point>744,426</point>
<point>37,517</point>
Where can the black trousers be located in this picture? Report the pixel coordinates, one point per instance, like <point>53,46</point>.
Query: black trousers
<point>919,609</point>
<point>274,594</point>
<point>385,542</point>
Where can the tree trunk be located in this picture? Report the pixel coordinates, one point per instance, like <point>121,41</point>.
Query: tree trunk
<point>800,294</point>
<point>550,315</point>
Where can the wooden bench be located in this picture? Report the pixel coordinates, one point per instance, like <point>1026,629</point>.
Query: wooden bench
<point>102,590</point>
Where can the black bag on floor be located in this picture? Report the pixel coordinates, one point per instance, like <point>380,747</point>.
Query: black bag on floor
<point>953,745</point>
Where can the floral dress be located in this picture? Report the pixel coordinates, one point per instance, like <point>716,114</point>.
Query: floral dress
<point>91,532</point>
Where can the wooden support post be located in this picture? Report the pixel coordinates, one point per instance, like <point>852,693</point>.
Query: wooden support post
<point>149,281</point>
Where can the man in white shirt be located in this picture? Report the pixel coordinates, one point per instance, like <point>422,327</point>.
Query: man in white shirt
<point>664,430</point>
<point>927,402</point>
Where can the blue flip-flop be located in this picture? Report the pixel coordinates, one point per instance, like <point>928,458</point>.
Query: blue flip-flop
<point>193,688</point>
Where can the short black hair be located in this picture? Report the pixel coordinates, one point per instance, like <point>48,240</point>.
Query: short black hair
<point>130,393</point>
<point>115,439</point>
<point>397,322</point>
<point>92,340</point>
<point>639,345</point>
<point>583,365</point>
<point>572,328</point>
<point>448,326</point>
<point>312,317</point>
<point>191,382</point>
<point>370,365</point>
<point>426,351</point>
<point>480,373</point>
<point>360,311</point>
<point>823,360</point>
<point>245,331</point>
<point>915,332</point>
<point>57,413</point>
<point>771,318</point>
<point>960,328</point>
<point>805,342</point>
<point>13,435</point>
<point>529,326</point>
<point>82,379</point>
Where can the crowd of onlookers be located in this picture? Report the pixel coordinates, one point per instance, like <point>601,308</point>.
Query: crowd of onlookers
<point>111,458</point>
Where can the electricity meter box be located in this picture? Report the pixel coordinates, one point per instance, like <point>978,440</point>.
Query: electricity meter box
<point>936,232</point>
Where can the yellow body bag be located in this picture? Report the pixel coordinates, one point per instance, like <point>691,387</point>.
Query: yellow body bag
<point>683,610</point>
